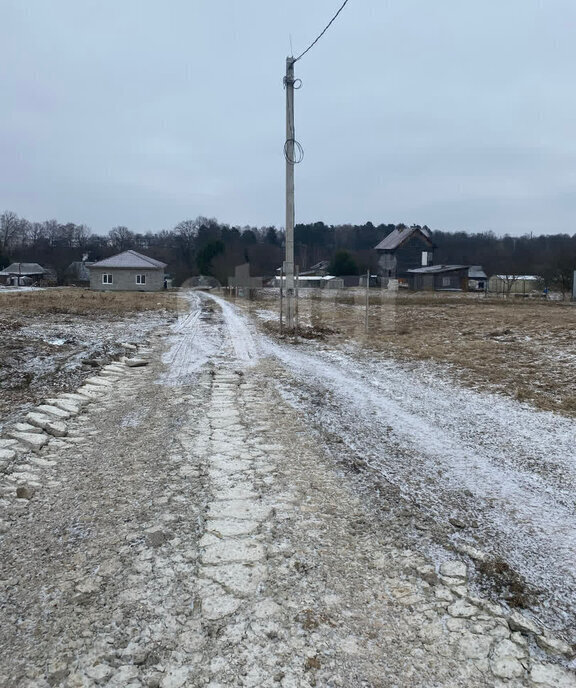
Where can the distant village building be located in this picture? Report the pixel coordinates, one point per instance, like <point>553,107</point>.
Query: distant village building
<point>78,273</point>
<point>315,277</point>
<point>312,282</point>
<point>448,278</point>
<point>373,280</point>
<point>439,278</point>
<point>23,275</point>
<point>514,284</point>
<point>128,271</point>
<point>319,269</point>
<point>477,278</point>
<point>402,250</point>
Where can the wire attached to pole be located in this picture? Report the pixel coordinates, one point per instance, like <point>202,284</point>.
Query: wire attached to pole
<point>323,32</point>
<point>293,151</point>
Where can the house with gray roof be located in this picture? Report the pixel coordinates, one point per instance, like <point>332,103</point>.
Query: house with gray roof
<point>127,271</point>
<point>448,278</point>
<point>439,278</point>
<point>23,274</point>
<point>405,248</point>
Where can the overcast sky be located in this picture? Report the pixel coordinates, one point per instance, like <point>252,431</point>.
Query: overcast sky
<point>459,115</point>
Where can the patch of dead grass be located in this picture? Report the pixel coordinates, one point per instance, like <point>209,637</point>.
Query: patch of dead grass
<point>523,348</point>
<point>498,576</point>
<point>83,302</point>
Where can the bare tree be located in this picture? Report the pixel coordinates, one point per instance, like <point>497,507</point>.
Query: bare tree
<point>186,233</point>
<point>509,282</point>
<point>36,234</point>
<point>11,227</point>
<point>51,230</point>
<point>81,236</point>
<point>121,238</point>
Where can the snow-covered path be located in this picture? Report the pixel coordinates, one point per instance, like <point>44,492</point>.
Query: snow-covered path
<point>239,512</point>
<point>504,471</point>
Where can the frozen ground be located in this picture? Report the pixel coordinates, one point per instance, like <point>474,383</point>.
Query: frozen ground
<point>503,472</point>
<point>41,353</point>
<point>245,512</point>
<point>9,290</point>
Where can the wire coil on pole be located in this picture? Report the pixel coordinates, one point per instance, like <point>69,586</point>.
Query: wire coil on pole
<point>297,155</point>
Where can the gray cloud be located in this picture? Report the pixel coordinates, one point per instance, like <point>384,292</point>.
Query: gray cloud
<point>140,114</point>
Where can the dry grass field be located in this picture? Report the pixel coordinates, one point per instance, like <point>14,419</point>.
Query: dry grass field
<point>73,301</point>
<point>523,348</point>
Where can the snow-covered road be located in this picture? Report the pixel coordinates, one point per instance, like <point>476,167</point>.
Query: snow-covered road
<point>502,471</point>
<point>244,512</point>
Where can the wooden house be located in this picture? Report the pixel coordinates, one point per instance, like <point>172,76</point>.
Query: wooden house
<point>78,273</point>
<point>404,249</point>
<point>439,278</point>
<point>448,278</point>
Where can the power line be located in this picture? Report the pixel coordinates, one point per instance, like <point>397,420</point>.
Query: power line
<point>323,32</point>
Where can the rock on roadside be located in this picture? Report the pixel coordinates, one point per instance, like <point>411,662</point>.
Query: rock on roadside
<point>55,428</point>
<point>135,362</point>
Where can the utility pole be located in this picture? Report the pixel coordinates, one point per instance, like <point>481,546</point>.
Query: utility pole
<point>293,150</point>
<point>367,300</point>
<point>289,152</point>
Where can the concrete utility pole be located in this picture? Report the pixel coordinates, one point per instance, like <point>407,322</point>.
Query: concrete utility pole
<point>367,300</point>
<point>289,152</point>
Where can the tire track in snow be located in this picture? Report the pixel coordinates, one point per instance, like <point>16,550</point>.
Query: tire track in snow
<point>239,332</point>
<point>510,467</point>
<point>193,343</point>
<point>486,447</point>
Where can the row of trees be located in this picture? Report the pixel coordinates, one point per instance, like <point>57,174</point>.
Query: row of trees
<point>206,246</point>
<point>192,247</point>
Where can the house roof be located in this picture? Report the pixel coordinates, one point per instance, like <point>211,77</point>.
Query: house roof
<point>523,278</point>
<point>24,269</point>
<point>322,265</point>
<point>433,269</point>
<point>477,272</point>
<point>312,278</point>
<point>398,236</point>
<point>129,259</point>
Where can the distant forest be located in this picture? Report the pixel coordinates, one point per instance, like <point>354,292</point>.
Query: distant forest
<point>206,246</point>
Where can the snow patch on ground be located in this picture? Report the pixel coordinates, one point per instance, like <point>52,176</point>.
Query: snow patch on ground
<point>457,452</point>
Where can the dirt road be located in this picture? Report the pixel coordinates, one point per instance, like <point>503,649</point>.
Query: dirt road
<point>240,512</point>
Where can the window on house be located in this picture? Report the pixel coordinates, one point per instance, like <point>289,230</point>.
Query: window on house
<point>446,281</point>
<point>106,278</point>
<point>140,279</point>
